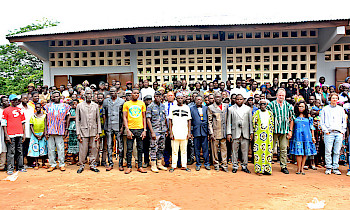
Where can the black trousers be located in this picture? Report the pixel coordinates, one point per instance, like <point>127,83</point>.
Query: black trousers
<point>139,145</point>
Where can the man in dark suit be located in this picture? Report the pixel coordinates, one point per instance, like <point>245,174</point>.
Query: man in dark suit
<point>199,122</point>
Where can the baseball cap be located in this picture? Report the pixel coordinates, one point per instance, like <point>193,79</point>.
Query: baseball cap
<point>128,82</point>
<point>128,92</point>
<point>13,97</point>
<point>147,97</point>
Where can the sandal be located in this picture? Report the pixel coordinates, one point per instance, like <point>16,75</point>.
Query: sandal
<point>171,170</point>
<point>36,168</point>
<point>45,166</point>
<point>313,168</point>
<point>298,172</point>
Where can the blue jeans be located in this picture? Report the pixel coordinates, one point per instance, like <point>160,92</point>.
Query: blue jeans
<point>201,142</point>
<point>332,141</point>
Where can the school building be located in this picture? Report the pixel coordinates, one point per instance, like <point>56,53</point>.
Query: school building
<point>262,51</point>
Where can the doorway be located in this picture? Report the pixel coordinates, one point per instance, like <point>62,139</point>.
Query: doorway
<point>93,79</point>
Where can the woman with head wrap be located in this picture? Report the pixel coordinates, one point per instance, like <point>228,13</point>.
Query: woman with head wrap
<point>263,122</point>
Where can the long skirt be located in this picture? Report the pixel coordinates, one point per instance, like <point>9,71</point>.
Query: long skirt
<point>37,148</point>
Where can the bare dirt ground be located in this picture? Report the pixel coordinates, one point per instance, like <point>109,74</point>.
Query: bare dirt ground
<point>195,190</point>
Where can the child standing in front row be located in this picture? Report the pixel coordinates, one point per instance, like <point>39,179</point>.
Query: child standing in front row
<point>38,145</point>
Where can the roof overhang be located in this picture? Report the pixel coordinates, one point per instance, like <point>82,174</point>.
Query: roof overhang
<point>105,33</point>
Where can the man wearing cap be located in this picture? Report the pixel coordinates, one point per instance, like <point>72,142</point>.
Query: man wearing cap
<point>88,126</point>
<point>156,121</point>
<point>56,114</point>
<point>13,121</point>
<point>113,126</point>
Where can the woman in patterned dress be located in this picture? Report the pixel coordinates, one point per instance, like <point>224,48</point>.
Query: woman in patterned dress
<point>73,143</point>
<point>302,143</point>
<point>263,123</point>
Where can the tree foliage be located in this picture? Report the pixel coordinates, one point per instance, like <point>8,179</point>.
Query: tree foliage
<point>18,68</point>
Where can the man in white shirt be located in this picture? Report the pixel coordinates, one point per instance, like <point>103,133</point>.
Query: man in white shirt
<point>180,131</point>
<point>146,90</point>
<point>3,148</point>
<point>239,89</point>
<point>28,112</point>
<point>333,124</point>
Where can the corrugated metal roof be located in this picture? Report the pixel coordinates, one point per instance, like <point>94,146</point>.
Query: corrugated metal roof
<point>176,22</point>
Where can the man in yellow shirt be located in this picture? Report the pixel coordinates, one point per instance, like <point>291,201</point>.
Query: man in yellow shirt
<point>134,117</point>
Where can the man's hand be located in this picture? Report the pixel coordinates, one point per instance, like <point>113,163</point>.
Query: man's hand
<point>153,135</point>
<point>251,137</point>
<point>66,133</point>
<point>23,138</point>
<point>189,136</point>
<point>129,134</point>
<point>79,138</point>
<point>172,136</point>
<point>211,137</point>
<point>143,135</point>
<point>121,130</point>
<point>289,135</point>
<point>229,137</point>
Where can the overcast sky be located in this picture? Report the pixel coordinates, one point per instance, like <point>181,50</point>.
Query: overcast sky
<point>106,13</point>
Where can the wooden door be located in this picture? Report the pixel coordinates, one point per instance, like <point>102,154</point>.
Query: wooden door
<point>340,75</point>
<point>122,77</point>
<point>61,80</point>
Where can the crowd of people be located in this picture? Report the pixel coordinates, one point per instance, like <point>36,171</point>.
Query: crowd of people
<point>173,125</point>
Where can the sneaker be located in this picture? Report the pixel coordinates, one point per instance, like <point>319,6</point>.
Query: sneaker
<point>23,170</point>
<point>336,172</point>
<point>348,174</point>
<point>328,171</point>
<point>9,172</point>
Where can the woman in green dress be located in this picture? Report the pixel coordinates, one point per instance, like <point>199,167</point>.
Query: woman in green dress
<point>263,140</point>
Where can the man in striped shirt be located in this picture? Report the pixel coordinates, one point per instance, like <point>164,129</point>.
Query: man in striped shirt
<point>283,114</point>
<point>56,118</point>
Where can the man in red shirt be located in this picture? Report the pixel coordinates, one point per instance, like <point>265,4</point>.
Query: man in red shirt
<point>14,127</point>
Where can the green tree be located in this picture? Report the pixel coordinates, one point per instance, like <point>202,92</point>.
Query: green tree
<point>18,68</point>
